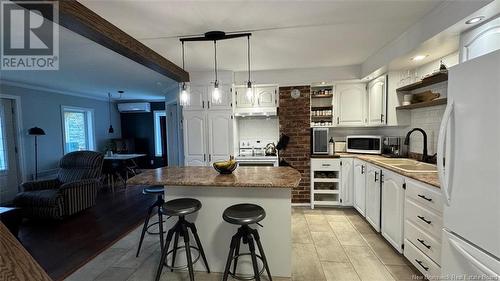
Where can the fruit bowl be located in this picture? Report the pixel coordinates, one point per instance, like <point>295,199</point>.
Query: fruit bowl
<point>225,167</point>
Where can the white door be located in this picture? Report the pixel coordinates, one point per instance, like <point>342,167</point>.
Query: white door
<point>347,189</point>
<point>220,135</point>
<point>241,99</point>
<point>377,98</point>
<point>265,96</point>
<point>481,40</point>
<point>359,186</point>
<point>195,143</point>
<point>393,197</point>
<point>460,258</point>
<point>373,196</point>
<point>9,166</point>
<point>197,96</point>
<point>226,98</point>
<point>351,104</point>
<point>478,116</point>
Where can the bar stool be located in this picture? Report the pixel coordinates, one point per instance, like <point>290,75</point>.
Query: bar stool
<point>180,208</point>
<point>158,190</point>
<point>244,215</point>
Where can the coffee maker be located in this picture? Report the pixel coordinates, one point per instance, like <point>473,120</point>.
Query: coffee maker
<point>394,147</point>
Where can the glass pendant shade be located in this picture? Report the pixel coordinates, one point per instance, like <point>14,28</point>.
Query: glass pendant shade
<point>249,95</point>
<point>216,94</point>
<point>184,98</point>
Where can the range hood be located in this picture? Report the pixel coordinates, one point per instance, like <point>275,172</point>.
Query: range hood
<point>256,112</point>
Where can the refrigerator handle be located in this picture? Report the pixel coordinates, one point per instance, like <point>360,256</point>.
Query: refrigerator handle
<point>443,178</point>
<point>472,259</point>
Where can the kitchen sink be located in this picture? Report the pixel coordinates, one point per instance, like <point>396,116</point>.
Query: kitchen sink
<point>410,165</point>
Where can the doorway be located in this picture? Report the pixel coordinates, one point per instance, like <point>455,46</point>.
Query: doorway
<point>10,172</point>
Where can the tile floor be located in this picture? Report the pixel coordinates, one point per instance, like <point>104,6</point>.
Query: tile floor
<point>328,244</point>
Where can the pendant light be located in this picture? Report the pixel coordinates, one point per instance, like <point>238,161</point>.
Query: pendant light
<point>216,94</point>
<point>249,93</point>
<point>184,95</point>
<point>110,130</point>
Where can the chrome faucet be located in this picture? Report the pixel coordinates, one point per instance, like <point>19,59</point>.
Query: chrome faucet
<point>425,157</point>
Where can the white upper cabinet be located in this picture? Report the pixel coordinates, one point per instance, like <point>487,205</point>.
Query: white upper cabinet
<point>220,135</point>
<point>197,97</point>
<point>351,104</point>
<point>359,186</point>
<point>480,40</point>
<point>346,184</point>
<point>266,96</point>
<point>377,99</point>
<point>393,197</point>
<point>373,196</point>
<point>226,98</point>
<point>194,138</point>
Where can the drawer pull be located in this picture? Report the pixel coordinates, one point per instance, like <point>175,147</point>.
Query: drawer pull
<point>423,243</point>
<point>325,165</point>
<point>425,198</point>
<point>422,265</point>
<point>423,218</point>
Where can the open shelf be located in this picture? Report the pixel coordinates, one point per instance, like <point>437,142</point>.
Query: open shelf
<point>423,104</point>
<point>321,116</point>
<point>322,96</point>
<point>321,107</point>
<point>431,80</point>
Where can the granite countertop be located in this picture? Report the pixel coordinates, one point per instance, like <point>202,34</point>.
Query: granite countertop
<point>269,177</point>
<point>428,178</point>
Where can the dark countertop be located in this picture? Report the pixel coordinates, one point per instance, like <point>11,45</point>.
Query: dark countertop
<point>245,177</point>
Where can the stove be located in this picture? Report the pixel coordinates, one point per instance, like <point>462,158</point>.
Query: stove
<point>252,153</point>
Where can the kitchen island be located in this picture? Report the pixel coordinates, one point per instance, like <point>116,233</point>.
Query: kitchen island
<point>269,187</point>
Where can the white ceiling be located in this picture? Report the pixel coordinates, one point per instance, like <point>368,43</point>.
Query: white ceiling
<point>91,70</point>
<point>286,34</point>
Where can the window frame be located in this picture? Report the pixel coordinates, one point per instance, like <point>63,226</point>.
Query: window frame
<point>89,125</point>
<point>157,131</point>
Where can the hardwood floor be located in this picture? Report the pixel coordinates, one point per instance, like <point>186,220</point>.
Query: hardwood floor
<point>61,247</point>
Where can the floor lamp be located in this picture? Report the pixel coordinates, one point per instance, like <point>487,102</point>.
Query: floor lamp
<point>35,131</point>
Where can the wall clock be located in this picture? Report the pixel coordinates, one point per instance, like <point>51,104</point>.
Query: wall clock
<point>295,94</point>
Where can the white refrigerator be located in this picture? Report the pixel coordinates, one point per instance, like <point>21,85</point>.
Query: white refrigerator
<point>469,171</point>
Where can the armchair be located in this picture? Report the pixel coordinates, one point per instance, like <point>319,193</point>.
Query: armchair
<point>74,189</point>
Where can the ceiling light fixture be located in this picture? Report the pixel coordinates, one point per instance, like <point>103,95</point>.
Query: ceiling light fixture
<point>110,130</point>
<point>184,95</point>
<point>216,96</point>
<point>474,20</point>
<point>249,94</point>
<point>418,57</point>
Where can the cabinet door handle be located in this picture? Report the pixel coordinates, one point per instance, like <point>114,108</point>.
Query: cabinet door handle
<point>381,117</point>
<point>204,157</point>
<point>423,219</point>
<point>325,165</point>
<point>202,104</point>
<point>338,121</point>
<point>423,243</point>
<point>209,157</point>
<point>422,265</point>
<point>376,174</point>
<point>425,198</point>
<point>381,177</point>
<point>362,169</point>
<point>208,104</point>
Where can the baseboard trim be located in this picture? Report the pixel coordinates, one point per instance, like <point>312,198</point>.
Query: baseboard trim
<point>301,204</point>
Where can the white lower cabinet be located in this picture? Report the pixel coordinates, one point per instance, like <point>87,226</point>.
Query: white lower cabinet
<point>423,227</point>
<point>393,195</point>
<point>208,136</point>
<point>331,182</point>
<point>359,185</point>
<point>373,196</point>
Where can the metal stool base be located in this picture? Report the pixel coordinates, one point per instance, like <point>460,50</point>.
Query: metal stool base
<point>249,277</point>
<point>156,232</point>
<point>181,267</point>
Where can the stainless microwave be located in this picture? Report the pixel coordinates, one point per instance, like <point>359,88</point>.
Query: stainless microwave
<point>364,144</point>
<point>319,140</point>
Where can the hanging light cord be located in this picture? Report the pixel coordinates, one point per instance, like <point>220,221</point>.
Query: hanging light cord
<point>182,55</point>
<point>109,107</point>
<point>248,50</point>
<point>215,50</point>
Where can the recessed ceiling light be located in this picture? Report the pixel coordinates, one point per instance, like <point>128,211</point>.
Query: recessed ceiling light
<point>475,20</point>
<point>418,57</point>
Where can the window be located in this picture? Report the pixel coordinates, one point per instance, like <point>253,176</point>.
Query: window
<point>158,147</point>
<point>3,141</point>
<point>78,128</point>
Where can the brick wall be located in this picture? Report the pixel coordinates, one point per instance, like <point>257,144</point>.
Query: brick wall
<point>294,121</point>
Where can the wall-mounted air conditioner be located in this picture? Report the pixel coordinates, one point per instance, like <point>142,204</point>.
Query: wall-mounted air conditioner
<point>135,107</point>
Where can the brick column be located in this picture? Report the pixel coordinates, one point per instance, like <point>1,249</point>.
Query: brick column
<point>294,121</point>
